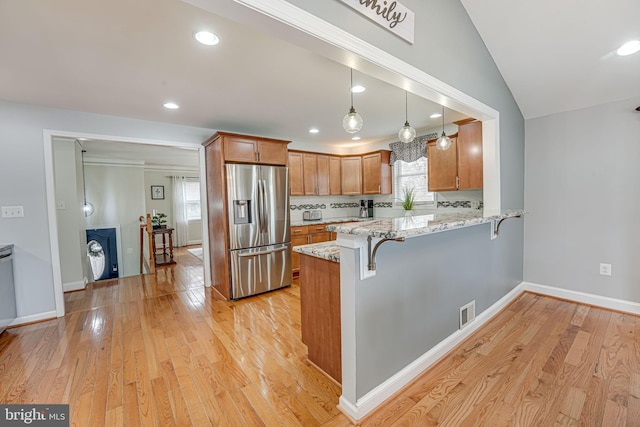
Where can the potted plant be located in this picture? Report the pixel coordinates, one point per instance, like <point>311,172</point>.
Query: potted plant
<point>408,200</point>
<point>159,220</point>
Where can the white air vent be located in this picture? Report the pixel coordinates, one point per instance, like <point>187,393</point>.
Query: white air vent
<point>467,313</point>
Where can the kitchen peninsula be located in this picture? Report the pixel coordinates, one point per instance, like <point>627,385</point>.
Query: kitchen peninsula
<point>394,314</point>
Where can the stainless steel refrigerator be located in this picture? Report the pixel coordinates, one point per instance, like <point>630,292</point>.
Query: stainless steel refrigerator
<point>259,228</point>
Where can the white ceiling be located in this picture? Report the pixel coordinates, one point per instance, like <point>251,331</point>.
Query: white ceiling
<point>560,55</point>
<point>127,57</point>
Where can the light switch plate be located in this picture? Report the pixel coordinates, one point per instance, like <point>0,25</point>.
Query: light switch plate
<point>12,211</point>
<point>61,205</point>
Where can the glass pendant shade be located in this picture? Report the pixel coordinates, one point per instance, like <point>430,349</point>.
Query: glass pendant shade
<point>87,209</point>
<point>352,122</point>
<point>407,133</point>
<point>444,142</point>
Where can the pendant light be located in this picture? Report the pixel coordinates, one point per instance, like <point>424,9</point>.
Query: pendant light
<point>352,122</point>
<point>407,133</point>
<point>87,208</point>
<point>444,142</point>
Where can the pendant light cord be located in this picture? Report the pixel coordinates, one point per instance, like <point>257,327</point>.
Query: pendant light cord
<point>443,119</point>
<point>84,184</point>
<point>406,108</point>
<point>351,89</point>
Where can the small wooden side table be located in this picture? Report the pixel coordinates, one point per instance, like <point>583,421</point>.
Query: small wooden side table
<point>162,257</point>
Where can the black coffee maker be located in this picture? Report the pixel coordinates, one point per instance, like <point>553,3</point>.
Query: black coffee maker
<point>366,208</point>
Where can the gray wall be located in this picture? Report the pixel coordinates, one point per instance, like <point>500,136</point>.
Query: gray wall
<point>22,165</point>
<point>414,300</point>
<point>71,240</point>
<point>581,178</point>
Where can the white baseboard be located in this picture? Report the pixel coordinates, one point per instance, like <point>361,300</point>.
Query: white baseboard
<point>73,286</point>
<point>47,315</point>
<point>194,242</point>
<point>584,298</point>
<point>387,389</point>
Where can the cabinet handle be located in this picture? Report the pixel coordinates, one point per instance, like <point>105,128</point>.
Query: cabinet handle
<point>309,238</point>
<point>258,156</point>
<point>255,155</point>
<point>457,182</point>
<point>297,231</point>
<point>379,189</point>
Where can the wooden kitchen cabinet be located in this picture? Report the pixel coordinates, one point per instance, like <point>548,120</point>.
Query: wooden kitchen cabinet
<point>320,314</point>
<point>470,156</point>
<point>303,235</point>
<point>376,173</point>
<point>351,175</point>
<point>322,174</point>
<point>250,149</point>
<point>335,175</point>
<point>442,167</point>
<point>459,167</point>
<point>308,174</point>
<point>296,174</point>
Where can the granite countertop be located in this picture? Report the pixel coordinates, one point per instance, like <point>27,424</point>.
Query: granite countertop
<point>325,250</point>
<point>421,224</point>
<point>328,221</point>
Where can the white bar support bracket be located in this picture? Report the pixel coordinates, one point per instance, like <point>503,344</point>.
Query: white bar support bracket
<point>495,226</point>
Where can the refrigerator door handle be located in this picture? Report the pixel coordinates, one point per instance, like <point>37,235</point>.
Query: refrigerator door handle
<point>255,254</point>
<point>265,214</point>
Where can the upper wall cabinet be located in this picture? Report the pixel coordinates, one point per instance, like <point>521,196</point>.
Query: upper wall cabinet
<point>442,167</point>
<point>470,156</point>
<point>316,174</point>
<point>296,174</point>
<point>351,175</point>
<point>310,174</point>
<point>251,149</point>
<point>376,173</point>
<point>459,167</point>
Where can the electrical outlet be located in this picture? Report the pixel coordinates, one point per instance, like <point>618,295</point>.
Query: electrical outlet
<point>605,269</point>
<point>61,205</point>
<point>12,212</point>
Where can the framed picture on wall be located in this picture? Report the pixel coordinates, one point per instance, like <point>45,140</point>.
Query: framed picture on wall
<point>157,192</point>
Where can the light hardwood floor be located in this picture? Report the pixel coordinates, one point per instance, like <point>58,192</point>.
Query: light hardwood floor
<point>163,351</point>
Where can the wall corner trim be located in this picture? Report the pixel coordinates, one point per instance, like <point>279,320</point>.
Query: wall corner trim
<point>74,286</point>
<point>40,317</point>
<point>387,389</point>
<point>583,298</point>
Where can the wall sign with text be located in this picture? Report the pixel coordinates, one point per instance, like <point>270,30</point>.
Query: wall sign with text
<point>390,14</point>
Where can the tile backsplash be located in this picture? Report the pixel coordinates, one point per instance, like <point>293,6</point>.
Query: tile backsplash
<point>384,206</point>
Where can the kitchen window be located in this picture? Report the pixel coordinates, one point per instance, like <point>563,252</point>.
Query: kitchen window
<point>412,175</point>
<point>192,200</point>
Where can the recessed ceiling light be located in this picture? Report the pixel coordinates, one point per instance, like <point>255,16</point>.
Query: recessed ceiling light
<point>355,138</point>
<point>358,89</point>
<point>171,105</point>
<point>629,48</point>
<point>313,130</point>
<point>435,115</point>
<point>207,37</point>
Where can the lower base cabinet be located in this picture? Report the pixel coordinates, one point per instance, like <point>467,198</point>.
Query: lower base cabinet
<point>320,313</point>
<point>305,234</point>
